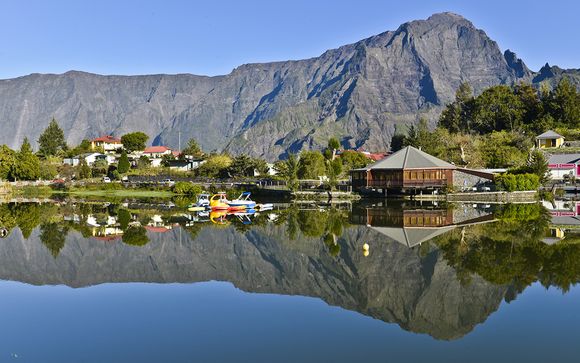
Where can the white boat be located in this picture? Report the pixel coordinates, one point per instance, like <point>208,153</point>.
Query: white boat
<point>201,204</point>
<point>264,207</point>
<point>243,201</point>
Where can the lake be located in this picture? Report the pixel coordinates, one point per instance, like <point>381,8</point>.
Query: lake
<point>148,281</point>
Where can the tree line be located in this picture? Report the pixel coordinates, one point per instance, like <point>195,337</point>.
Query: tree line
<point>497,128</point>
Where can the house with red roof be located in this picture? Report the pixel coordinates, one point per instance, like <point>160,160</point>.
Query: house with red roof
<point>107,142</point>
<point>156,153</point>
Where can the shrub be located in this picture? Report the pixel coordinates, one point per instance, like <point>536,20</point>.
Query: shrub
<point>513,182</point>
<point>186,188</point>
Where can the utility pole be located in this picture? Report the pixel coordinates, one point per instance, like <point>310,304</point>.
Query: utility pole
<point>179,138</point>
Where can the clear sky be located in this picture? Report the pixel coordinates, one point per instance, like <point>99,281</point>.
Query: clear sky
<point>214,36</point>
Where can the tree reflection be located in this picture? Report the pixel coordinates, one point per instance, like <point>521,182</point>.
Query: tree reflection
<point>135,236</point>
<point>511,250</point>
<point>53,236</point>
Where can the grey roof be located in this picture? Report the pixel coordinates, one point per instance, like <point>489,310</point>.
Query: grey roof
<point>565,221</point>
<point>410,158</point>
<point>549,135</point>
<point>412,236</point>
<point>564,158</point>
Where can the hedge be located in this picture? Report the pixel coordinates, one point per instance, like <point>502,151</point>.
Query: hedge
<point>513,182</point>
<point>186,188</point>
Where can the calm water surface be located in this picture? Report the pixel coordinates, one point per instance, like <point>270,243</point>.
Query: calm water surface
<point>143,282</point>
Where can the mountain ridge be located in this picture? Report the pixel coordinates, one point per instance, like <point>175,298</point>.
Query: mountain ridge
<point>357,92</point>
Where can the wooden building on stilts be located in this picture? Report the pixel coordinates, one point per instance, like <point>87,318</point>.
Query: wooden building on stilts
<point>411,170</point>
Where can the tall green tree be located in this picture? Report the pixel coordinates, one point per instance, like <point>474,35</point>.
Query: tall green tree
<point>353,160</point>
<point>7,160</point>
<point>333,171</point>
<point>498,108</point>
<point>564,104</point>
<point>398,138</point>
<point>51,141</point>
<point>333,146</point>
<point>27,165</point>
<point>531,103</point>
<point>84,170</point>
<point>288,170</point>
<point>536,164</point>
<point>124,164</point>
<point>134,141</point>
<point>192,149</point>
<point>242,165</point>
<point>311,165</point>
<point>457,115</point>
<point>53,236</point>
<point>421,137</point>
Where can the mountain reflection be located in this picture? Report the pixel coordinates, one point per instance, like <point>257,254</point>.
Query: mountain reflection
<point>435,269</point>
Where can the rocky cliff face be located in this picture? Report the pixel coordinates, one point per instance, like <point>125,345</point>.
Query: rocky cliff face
<point>394,284</point>
<point>357,92</point>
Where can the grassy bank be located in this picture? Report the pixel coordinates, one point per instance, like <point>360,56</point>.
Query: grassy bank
<point>97,190</point>
<point>137,193</point>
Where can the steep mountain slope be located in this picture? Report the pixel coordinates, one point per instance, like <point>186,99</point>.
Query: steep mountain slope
<point>357,92</point>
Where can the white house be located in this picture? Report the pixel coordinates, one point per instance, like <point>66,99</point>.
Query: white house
<point>561,165</point>
<point>155,154</point>
<point>185,165</point>
<point>91,158</point>
<point>108,143</point>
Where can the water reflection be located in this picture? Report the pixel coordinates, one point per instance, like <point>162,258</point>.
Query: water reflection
<point>435,269</point>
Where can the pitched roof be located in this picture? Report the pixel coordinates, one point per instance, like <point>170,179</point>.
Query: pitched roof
<point>156,149</point>
<point>108,138</point>
<point>564,159</point>
<point>410,158</point>
<point>549,135</point>
<point>412,236</point>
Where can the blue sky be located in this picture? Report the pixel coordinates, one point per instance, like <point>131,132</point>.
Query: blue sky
<point>213,37</point>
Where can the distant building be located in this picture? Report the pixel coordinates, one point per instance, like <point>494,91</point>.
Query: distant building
<point>108,143</point>
<point>155,154</point>
<point>413,169</point>
<point>564,166</point>
<point>565,220</point>
<point>374,156</point>
<point>549,139</point>
<point>185,164</point>
<point>74,161</point>
<point>90,159</point>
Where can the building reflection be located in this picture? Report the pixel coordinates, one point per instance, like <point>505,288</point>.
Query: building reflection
<point>413,225</point>
<point>565,220</point>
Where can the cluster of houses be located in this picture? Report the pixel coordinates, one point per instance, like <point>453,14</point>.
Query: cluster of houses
<point>109,228</point>
<point>563,162</point>
<point>411,169</point>
<point>112,148</point>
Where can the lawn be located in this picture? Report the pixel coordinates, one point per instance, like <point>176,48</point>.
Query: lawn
<point>120,193</point>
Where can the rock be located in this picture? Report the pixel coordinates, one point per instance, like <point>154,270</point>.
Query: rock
<point>357,92</point>
<point>394,283</point>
